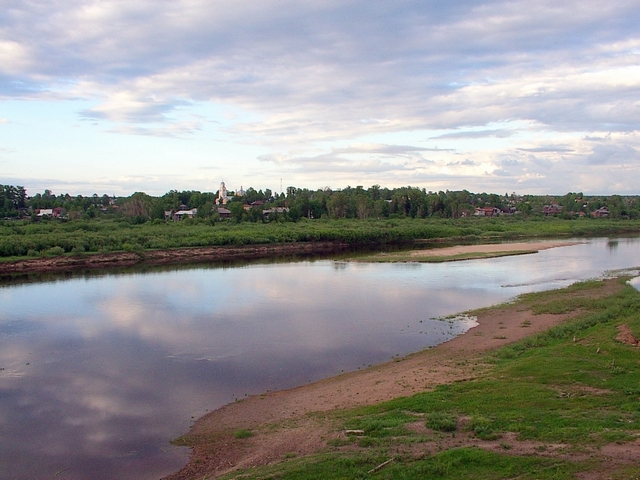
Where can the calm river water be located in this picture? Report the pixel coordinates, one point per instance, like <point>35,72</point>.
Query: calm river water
<point>99,373</point>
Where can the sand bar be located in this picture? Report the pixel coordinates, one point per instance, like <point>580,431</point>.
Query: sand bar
<point>491,248</point>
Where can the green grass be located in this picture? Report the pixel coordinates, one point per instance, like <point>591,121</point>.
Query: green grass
<point>441,422</point>
<point>454,464</point>
<point>573,385</point>
<point>25,239</point>
<point>540,386</point>
<point>242,433</point>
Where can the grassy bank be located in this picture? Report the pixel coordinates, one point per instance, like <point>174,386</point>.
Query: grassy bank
<point>22,239</point>
<point>551,406</point>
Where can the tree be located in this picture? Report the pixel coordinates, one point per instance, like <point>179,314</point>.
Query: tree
<point>338,205</point>
<point>138,207</point>
<point>237,211</point>
<point>364,206</point>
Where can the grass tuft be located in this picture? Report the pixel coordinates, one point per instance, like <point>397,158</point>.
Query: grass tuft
<point>243,433</point>
<point>441,422</point>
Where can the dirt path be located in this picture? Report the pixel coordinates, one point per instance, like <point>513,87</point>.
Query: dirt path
<point>282,419</point>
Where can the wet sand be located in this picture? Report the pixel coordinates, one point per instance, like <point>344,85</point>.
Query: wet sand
<point>491,248</point>
<point>463,252</point>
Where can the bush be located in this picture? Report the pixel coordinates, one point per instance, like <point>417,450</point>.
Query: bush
<point>55,251</point>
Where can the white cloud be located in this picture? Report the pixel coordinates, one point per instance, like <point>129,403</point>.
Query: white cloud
<point>485,79</point>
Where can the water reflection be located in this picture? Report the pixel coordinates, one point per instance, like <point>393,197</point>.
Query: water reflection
<point>100,372</point>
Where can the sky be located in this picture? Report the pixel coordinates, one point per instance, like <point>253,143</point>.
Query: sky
<point>119,96</point>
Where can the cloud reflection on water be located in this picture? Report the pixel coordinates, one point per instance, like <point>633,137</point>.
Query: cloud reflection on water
<point>101,372</point>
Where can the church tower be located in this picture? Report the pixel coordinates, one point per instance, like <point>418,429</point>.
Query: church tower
<point>222,194</point>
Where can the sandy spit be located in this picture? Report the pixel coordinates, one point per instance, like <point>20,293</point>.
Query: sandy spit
<point>491,248</point>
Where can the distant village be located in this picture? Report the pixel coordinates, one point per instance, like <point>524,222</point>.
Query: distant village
<point>221,202</point>
<point>296,203</point>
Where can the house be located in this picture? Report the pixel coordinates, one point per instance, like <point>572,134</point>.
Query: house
<point>256,204</point>
<point>552,209</point>
<point>49,212</point>
<point>224,212</point>
<point>600,213</point>
<point>278,210</point>
<point>181,214</point>
<point>45,212</point>
<point>487,212</point>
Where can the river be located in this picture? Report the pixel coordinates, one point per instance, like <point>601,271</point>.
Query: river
<point>100,372</point>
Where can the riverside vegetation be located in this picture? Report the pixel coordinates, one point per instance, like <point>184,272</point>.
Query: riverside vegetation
<point>354,216</point>
<point>25,239</point>
<point>556,405</point>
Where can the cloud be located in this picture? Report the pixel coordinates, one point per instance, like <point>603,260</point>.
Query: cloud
<point>548,149</point>
<point>171,130</point>
<point>504,78</point>
<point>500,133</point>
<point>466,162</point>
<point>613,154</point>
<point>128,108</point>
<point>394,150</point>
<point>14,56</point>
<point>509,162</point>
<point>394,63</point>
<point>331,163</point>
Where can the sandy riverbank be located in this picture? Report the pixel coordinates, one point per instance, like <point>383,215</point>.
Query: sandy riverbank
<point>491,248</point>
<point>464,252</point>
<point>283,419</point>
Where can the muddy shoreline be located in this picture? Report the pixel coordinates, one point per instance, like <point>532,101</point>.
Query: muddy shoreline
<point>98,261</point>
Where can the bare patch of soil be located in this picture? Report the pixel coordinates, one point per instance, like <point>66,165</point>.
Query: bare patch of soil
<point>625,336</point>
<point>290,423</point>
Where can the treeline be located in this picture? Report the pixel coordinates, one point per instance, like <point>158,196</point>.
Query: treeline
<point>349,203</point>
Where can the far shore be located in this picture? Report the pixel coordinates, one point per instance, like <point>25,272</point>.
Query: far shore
<point>231,253</point>
<point>177,256</point>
